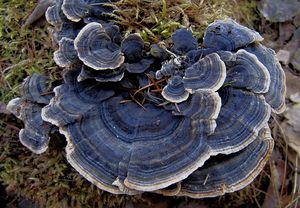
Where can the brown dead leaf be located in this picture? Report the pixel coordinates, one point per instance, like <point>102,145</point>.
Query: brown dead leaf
<point>286,30</point>
<point>292,82</point>
<point>295,97</point>
<point>296,21</point>
<point>278,10</point>
<point>284,56</point>
<point>295,61</point>
<point>273,197</point>
<point>289,38</point>
<point>292,126</point>
<point>293,198</point>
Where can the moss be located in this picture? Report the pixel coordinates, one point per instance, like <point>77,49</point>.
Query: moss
<point>23,51</point>
<point>156,20</point>
<point>51,182</point>
<point>47,179</point>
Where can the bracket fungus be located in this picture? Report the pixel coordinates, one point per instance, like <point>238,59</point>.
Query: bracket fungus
<point>228,173</point>
<point>75,10</point>
<point>157,52</point>
<point>183,41</point>
<point>244,70</point>
<point>95,48</point>
<point>112,75</point>
<point>228,35</point>
<point>167,69</point>
<point>275,96</point>
<point>130,134</point>
<point>132,46</point>
<point>185,121</point>
<point>140,66</point>
<point>35,134</point>
<point>207,74</point>
<point>174,91</point>
<point>242,115</point>
<point>66,55</point>
<point>54,15</point>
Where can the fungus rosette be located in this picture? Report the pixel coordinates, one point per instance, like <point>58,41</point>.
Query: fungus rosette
<point>132,46</point>
<point>201,132</point>
<point>148,146</point>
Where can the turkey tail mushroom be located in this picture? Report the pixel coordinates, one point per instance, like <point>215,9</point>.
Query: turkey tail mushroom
<point>35,95</point>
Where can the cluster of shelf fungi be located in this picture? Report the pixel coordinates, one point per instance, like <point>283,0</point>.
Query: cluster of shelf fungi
<point>181,121</point>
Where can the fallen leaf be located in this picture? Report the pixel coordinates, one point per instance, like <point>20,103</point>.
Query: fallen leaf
<point>295,97</point>
<point>292,126</point>
<point>286,30</point>
<point>292,82</point>
<point>295,61</point>
<point>279,10</point>
<point>296,20</point>
<point>283,56</point>
<point>273,198</point>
